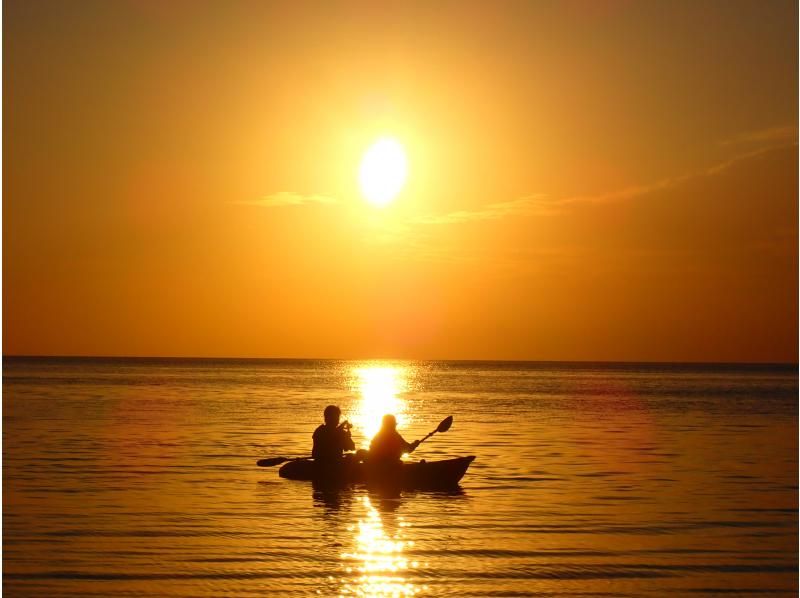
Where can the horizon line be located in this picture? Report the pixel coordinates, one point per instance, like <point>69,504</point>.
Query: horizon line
<point>451,360</point>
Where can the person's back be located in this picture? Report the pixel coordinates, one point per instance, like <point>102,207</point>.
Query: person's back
<point>388,446</point>
<point>331,439</point>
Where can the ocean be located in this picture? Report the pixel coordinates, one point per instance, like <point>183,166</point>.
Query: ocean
<point>137,477</point>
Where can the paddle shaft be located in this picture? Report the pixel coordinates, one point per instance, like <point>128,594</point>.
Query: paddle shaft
<point>277,461</point>
<point>428,436</point>
<point>444,426</point>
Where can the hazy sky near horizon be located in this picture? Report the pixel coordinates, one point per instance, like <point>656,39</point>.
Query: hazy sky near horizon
<point>588,180</point>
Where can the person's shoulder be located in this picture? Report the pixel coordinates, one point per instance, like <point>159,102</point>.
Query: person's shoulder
<point>320,429</point>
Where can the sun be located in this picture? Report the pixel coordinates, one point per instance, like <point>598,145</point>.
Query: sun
<point>383,171</point>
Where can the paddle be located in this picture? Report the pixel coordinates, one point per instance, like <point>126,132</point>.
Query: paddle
<point>443,426</point>
<point>277,461</point>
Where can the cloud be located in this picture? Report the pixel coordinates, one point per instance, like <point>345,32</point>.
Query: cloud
<point>635,191</point>
<point>736,220</point>
<point>493,211</point>
<point>716,169</point>
<point>289,198</point>
<point>541,205</point>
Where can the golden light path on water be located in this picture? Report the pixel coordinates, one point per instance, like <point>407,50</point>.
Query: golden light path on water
<point>380,388</point>
<point>377,563</point>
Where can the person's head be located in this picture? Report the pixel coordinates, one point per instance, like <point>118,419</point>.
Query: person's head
<point>331,414</point>
<point>389,422</point>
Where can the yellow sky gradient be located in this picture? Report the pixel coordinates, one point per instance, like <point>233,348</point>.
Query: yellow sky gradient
<point>587,180</point>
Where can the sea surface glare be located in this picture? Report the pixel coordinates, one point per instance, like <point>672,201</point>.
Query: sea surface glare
<point>136,477</point>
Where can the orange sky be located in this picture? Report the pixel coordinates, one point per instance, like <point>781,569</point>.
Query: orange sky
<point>588,180</point>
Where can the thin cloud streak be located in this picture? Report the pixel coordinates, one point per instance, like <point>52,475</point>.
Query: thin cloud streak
<point>540,205</point>
<point>708,245</point>
<point>288,198</point>
<point>490,212</point>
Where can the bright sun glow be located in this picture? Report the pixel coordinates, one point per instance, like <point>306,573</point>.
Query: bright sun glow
<point>381,388</point>
<point>383,171</point>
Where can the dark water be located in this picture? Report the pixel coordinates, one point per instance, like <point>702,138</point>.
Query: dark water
<point>137,478</point>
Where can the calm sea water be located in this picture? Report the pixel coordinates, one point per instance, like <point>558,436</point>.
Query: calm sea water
<point>138,478</point>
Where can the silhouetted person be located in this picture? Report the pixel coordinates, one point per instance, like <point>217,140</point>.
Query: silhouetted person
<point>330,438</point>
<point>388,446</point>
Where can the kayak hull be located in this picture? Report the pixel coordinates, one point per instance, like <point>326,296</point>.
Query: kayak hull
<point>420,475</point>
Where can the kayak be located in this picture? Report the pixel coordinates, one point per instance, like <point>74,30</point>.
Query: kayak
<point>420,475</point>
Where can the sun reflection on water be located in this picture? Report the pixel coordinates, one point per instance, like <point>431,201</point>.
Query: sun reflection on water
<point>380,388</point>
<point>377,564</point>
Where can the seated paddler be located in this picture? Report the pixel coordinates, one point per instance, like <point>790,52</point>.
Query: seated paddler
<point>388,446</point>
<point>331,439</point>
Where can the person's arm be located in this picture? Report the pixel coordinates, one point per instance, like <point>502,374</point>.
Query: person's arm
<point>346,439</point>
<point>408,447</point>
<point>349,445</point>
<point>315,446</point>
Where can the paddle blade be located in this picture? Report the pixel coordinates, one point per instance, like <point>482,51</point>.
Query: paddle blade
<point>445,425</point>
<point>272,461</point>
